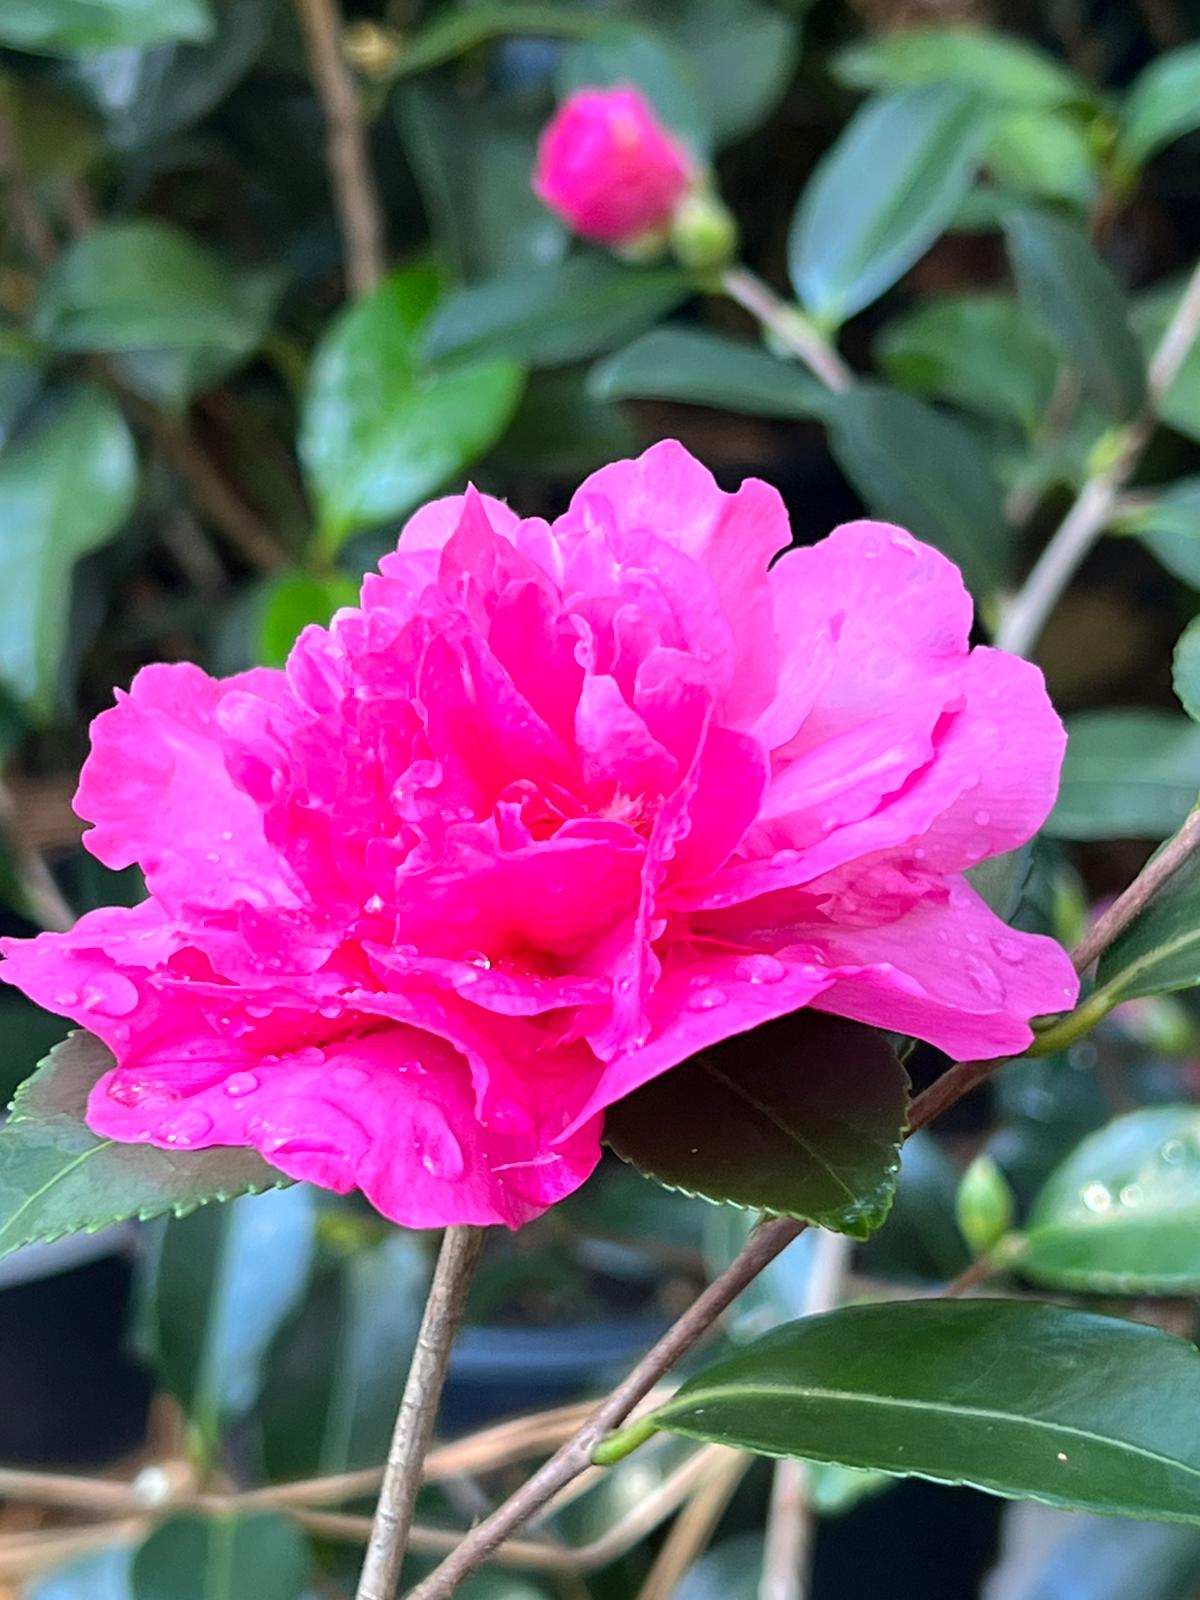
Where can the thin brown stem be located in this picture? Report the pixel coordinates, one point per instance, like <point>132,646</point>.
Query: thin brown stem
<point>44,900</point>
<point>346,155</point>
<point>1097,502</point>
<point>764,1244</point>
<point>418,1409</point>
<point>790,326</point>
<point>1133,901</point>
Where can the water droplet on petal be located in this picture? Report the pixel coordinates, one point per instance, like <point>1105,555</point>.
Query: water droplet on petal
<point>1096,1197</point>
<point>373,905</point>
<point>110,994</point>
<point>760,968</point>
<point>982,979</point>
<point>259,1013</point>
<point>478,959</point>
<point>440,1152</point>
<point>213,857</point>
<point>241,1083</point>
<point>982,818</point>
<point>1010,950</point>
<point>186,1129</point>
<point>706,998</point>
<point>67,997</point>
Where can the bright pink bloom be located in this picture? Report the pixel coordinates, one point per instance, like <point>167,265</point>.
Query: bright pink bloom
<point>609,168</point>
<point>559,806</point>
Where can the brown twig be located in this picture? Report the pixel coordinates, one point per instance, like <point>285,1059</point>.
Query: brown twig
<point>44,900</point>
<point>1133,901</point>
<point>444,1310</point>
<point>31,226</point>
<point>346,156</point>
<point>790,326</point>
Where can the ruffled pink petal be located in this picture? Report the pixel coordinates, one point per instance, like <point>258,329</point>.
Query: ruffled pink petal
<point>949,972</point>
<point>391,1113</point>
<point>158,792</point>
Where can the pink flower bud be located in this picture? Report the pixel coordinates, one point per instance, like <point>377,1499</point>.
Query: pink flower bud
<point>609,168</point>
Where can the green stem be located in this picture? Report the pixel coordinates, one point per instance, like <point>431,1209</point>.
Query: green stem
<point>624,1441</point>
<point>790,326</point>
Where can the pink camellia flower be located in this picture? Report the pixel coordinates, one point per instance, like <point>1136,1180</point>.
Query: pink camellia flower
<point>609,168</point>
<point>557,806</point>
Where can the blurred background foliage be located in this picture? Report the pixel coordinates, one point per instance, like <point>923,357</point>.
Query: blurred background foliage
<point>215,413</point>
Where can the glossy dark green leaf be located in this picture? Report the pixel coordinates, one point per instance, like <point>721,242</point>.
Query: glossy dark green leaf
<point>472,162</point>
<point>802,1117</point>
<point>1180,406</point>
<point>916,466</point>
<point>217,1289</point>
<point>1079,306</point>
<point>1169,525</point>
<point>880,197</point>
<point>103,1576</point>
<point>1127,774</point>
<point>1121,1215</point>
<point>336,1370</point>
<point>58,1177</point>
<point>1020,1399</point>
<point>380,430</point>
<point>1185,669</point>
<point>1160,951</point>
<point>148,94</point>
<point>708,369</point>
<point>1001,68</point>
<point>1162,105</point>
<point>560,314</point>
<point>291,602</point>
<point>1046,154</point>
<point>263,1557</point>
<point>66,486</point>
<point>143,285</point>
<point>74,27</point>
<point>562,430</point>
<point>742,54</point>
<point>980,351</point>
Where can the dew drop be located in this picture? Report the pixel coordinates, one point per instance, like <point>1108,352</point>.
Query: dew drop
<point>213,857</point>
<point>241,1083</point>
<point>1172,1151</point>
<point>440,1152</point>
<point>259,1013</point>
<point>1096,1197</point>
<point>111,995</point>
<point>1131,1195</point>
<point>186,1129</point>
<point>1010,950</point>
<point>227,835</point>
<point>478,959</point>
<point>760,968</point>
<point>982,979</point>
<point>706,998</point>
<point>982,818</point>
<point>373,905</point>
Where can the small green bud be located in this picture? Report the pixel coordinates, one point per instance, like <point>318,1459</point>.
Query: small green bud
<point>984,1206</point>
<point>704,235</point>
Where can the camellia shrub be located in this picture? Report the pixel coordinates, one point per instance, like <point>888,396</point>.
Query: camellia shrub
<point>595,515</point>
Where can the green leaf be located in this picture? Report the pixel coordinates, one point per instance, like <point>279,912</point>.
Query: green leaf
<point>336,1370</point>
<point>1127,774</point>
<point>1046,154</point>
<point>263,1557</point>
<point>632,56</point>
<point>1159,952</point>
<point>146,95</point>
<point>1179,408</point>
<point>708,369</point>
<point>453,33</point>
<point>984,1206</point>
<point>1075,299</point>
<point>1186,669</point>
<point>1020,1399</point>
<point>65,489</point>
<point>1170,527</point>
<point>75,27</point>
<point>880,197</point>
<point>559,314</point>
<point>923,469</point>
<point>563,431</point>
<point>802,1117</point>
<point>380,431</point>
<point>217,1289</point>
<point>980,351</point>
<point>1121,1215</point>
<point>920,1240</point>
<point>20,384</point>
<point>291,602</point>
<point>1005,70</point>
<point>1161,106</point>
<point>135,286</point>
<point>57,1176</point>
